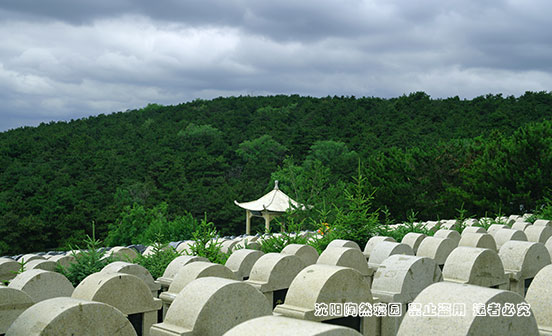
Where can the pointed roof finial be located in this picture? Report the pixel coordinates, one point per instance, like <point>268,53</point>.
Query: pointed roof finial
<point>276,185</point>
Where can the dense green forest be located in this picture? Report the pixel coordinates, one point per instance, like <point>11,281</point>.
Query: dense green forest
<point>432,156</point>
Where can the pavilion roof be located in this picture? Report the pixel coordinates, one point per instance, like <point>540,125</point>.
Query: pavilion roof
<point>274,201</point>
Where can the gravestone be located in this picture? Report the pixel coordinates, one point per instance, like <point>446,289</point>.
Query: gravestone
<point>46,265</point>
<point>372,242</point>
<point>437,249</point>
<point>69,316</point>
<point>424,319</point>
<point>542,222</point>
<point>184,247</point>
<point>325,285</point>
<point>173,268</point>
<point>482,240</point>
<point>346,257</point>
<point>471,222</point>
<point>126,292</point>
<point>413,240</point>
<point>8,269</point>
<point>123,253</point>
<point>501,236</point>
<point>228,246</point>
<point>522,261</point>
<point>241,261</point>
<point>210,307</point>
<point>64,260</point>
<point>285,326</point>
<point>475,266</point>
<point>13,302</point>
<point>306,253</point>
<point>538,234</point>
<point>473,229</point>
<point>521,226</point>
<point>398,280</point>
<point>450,234</point>
<point>384,250</point>
<point>136,270</point>
<point>30,256</point>
<point>42,285</point>
<point>343,243</point>
<point>189,273</point>
<point>272,274</point>
<point>495,227</point>
<point>539,296</point>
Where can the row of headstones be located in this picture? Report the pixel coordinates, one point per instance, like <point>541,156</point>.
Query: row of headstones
<point>266,278</point>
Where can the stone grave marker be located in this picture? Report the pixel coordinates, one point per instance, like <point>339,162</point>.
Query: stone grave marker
<point>127,293</point>
<point>69,316</point>
<point>272,274</point>
<point>522,261</point>
<point>189,273</point>
<point>413,240</point>
<point>372,242</point>
<point>136,270</point>
<point>13,302</point>
<point>384,250</point>
<point>211,306</point>
<point>501,236</point>
<point>475,266</point>
<point>306,253</point>
<point>398,280</point>
<point>539,296</point>
<point>482,240</point>
<point>542,222</point>
<point>450,234</point>
<point>46,265</point>
<point>123,253</point>
<point>42,285</point>
<point>285,326</point>
<point>319,285</point>
<point>495,227</point>
<point>538,234</point>
<point>437,249</point>
<point>173,268</point>
<point>343,243</point>
<point>241,262</point>
<point>64,260</point>
<point>521,226</point>
<point>346,257</point>
<point>473,229</point>
<point>8,269</point>
<point>424,319</point>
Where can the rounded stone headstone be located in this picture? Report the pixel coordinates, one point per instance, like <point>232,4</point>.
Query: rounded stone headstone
<point>539,296</point>
<point>521,226</point>
<point>467,323</point>
<point>134,269</point>
<point>345,257</point>
<point>175,265</point>
<point>327,284</point>
<point>400,278</point>
<point>386,249</point>
<point>307,253</point>
<point>228,245</point>
<point>372,242</point>
<point>46,265</point>
<point>211,306</point>
<point>125,292</point>
<point>8,269</point>
<point>184,247</point>
<point>437,249</point>
<point>343,243</point>
<point>241,262</point>
<point>501,236</point>
<point>123,253</point>
<point>450,234</point>
<point>193,271</point>
<point>473,229</point>
<point>525,259</point>
<point>64,260</point>
<point>481,240</point>
<point>413,240</point>
<point>476,266</point>
<point>68,316</point>
<point>13,302</point>
<point>538,234</point>
<point>42,285</point>
<point>285,326</point>
<point>495,227</point>
<point>30,256</point>
<point>274,271</point>
<point>542,222</point>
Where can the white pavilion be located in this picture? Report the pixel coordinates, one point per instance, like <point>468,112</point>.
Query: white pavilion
<point>269,206</point>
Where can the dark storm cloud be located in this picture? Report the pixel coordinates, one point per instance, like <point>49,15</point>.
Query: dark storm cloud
<point>64,59</point>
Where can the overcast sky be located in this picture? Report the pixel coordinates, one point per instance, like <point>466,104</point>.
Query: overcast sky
<point>67,59</point>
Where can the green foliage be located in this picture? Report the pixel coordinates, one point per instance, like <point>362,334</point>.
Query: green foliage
<point>141,225</point>
<point>157,262</point>
<point>206,243</point>
<point>87,261</point>
<point>419,153</point>
<point>544,211</point>
<point>410,226</point>
<point>276,243</point>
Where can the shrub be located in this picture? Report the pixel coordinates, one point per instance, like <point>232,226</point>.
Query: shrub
<point>273,243</point>
<point>206,243</point>
<point>157,262</point>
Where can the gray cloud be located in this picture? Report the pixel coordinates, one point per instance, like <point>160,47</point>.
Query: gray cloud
<point>67,59</point>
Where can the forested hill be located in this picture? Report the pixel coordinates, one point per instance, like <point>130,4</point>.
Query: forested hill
<point>55,179</point>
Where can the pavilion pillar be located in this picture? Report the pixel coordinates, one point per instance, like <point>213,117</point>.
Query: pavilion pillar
<point>248,216</point>
<point>267,219</point>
